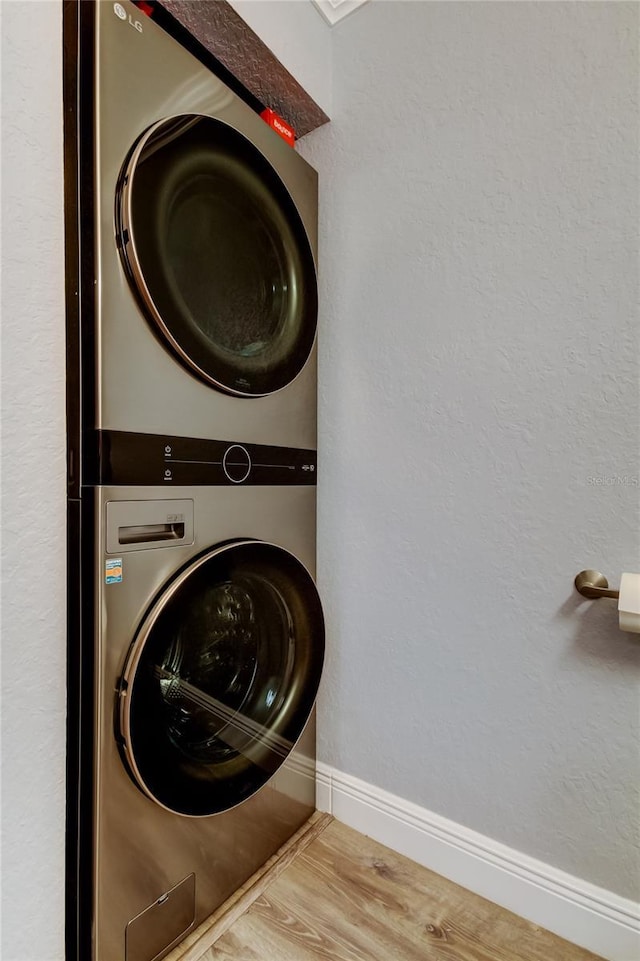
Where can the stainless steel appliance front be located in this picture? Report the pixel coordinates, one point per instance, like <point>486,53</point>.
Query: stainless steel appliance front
<point>205,244</point>
<point>222,667</point>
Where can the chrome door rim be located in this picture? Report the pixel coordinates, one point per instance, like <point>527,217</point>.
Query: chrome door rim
<point>129,254</point>
<point>137,647</point>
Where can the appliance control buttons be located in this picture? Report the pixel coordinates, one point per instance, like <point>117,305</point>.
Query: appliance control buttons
<point>236,463</point>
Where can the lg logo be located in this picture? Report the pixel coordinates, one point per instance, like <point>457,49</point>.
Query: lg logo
<point>122,13</point>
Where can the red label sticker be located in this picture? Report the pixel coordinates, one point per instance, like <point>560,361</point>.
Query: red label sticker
<point>279,125</point>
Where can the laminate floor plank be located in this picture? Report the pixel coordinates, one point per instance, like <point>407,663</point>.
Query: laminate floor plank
<point>348,898</point>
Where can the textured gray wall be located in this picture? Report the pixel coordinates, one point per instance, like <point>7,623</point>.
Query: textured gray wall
<point>479,418</point>
<point>33,485</point>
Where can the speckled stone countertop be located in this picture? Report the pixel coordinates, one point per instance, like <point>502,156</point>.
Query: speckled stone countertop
<point>225,34</point>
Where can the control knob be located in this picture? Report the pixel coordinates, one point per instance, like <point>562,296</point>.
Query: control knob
<point>236,463</point>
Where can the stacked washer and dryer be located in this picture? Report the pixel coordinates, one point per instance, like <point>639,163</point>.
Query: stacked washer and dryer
<point>198,641</point>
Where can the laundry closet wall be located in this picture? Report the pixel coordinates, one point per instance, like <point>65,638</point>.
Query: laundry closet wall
<point>33,485</point>
<point>478,241</point>
<point>479,418</point>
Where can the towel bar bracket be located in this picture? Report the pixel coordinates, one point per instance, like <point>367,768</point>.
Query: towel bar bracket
<point>593,584</point>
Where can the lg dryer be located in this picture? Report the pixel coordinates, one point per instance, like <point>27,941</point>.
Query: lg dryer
<point>205,247</point>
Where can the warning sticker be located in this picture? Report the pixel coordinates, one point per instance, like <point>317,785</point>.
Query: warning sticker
<point>113,570</point>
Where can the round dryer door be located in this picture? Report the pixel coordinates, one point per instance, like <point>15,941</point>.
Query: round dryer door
<point>218,255</point>
<point>221,678</point>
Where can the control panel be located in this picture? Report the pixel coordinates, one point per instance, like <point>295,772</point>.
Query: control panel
<point>123,458</point>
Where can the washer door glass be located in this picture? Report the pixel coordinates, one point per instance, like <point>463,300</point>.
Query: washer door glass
<point>221,678</point>
<point>217,254</point>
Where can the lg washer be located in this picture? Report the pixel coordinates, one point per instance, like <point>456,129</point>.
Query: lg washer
<point>208,653</point>
<point>205,227</point>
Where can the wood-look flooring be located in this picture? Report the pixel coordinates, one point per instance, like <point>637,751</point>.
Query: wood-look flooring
<point>348,898</point>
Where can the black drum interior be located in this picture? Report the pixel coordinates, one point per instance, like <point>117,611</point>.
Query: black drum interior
<point>226,678</point>
<point>217,254</point>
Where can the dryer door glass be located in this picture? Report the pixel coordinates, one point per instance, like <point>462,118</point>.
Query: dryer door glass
<point>221,678</point>
<point>218,255</point>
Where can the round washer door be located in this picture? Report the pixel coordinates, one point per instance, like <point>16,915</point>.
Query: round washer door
<point>218,256</point>
<point>221,678</point>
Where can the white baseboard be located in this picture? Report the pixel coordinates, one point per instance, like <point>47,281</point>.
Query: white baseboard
<point>582,913</point>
